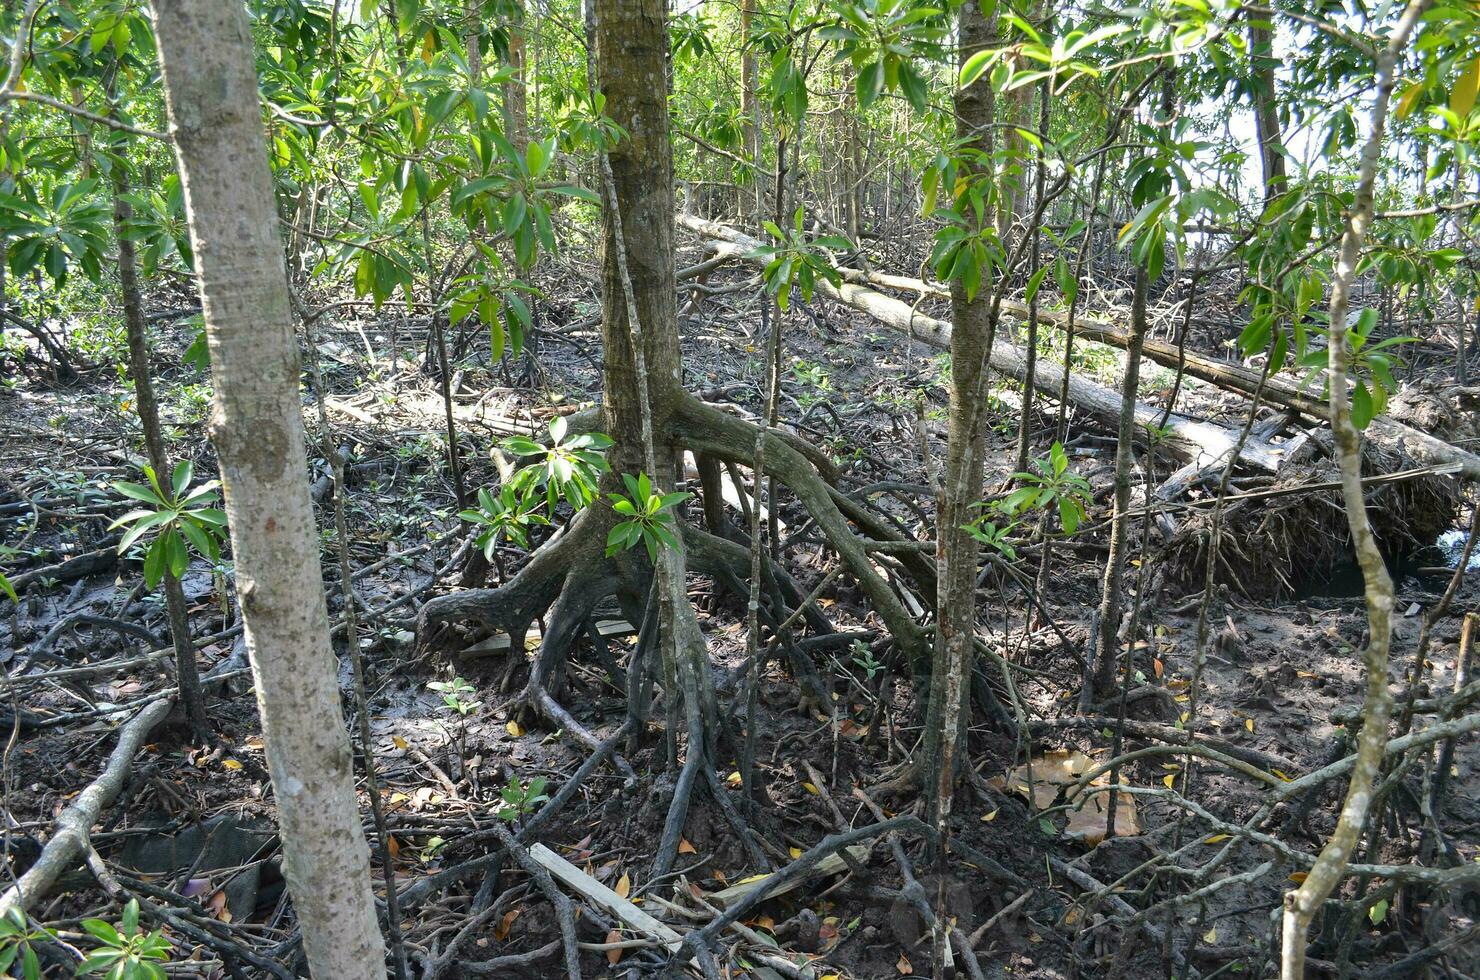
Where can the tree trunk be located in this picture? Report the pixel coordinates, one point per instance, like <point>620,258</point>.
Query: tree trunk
<point>748,103</point>
<point>631,55</point>
<point>515,102</point>
<point>973,326</point>
<point>192,701</point>
<point>1108,645</point>
<point>210,83</point>
<point>1302,904</point>
<point>1266,109</point>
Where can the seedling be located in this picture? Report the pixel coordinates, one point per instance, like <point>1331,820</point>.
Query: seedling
<point>174,517</point>
<point>649,517</point>
<point>127,952</point>
<point>570,468</point>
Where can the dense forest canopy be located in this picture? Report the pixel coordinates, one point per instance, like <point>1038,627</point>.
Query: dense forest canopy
<point>739,488</point>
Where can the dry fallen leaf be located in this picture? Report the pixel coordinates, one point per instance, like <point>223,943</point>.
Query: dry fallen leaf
<point>1087,823</point>
<point>989,817</point>
<point>684,847</point>
<point>1249,724</point>
<point>810,788</point>
<point>613,955</point>
<point>514,729</point>
<point>795,852</point>
<point>624,885</point>
<point>398,742</point>
<point>231,764</point>
<point>501,930</point>
<point>903,966</point>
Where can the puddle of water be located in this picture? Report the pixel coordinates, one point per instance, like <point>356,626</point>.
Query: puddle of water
<point>1451,545</point>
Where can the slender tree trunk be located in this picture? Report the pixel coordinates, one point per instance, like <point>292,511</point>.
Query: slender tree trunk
<point>1030,344</point>
<point>749,109</point>
<point>186,674</point>
<point>1107,645</point>
<point>473,41</point>
<point>516,110</point>
<point>1302,904</point>
<point>973,327</point>
<point>1266,107</point>
<point>210,82</point>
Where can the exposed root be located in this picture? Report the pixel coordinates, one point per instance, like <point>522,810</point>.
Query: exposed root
<point>705,428</point>
<point>1278,544</point>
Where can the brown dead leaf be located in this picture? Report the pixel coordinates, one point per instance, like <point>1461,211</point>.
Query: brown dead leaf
<point>1087,824</point>
<point>501,930</point>
<point>684,847</point>
<point>624,885</point>
<point>1051,772</point>
<point>613,955</point>
<point>903,966</point>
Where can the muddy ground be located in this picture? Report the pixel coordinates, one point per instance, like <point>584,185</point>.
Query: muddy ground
<point>1281,670</point>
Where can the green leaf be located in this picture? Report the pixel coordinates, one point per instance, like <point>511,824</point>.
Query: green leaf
<point>138,492</point>
<point>975,67</point>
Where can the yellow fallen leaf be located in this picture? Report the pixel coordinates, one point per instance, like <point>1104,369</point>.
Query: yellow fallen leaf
<point>1217,839</point>
<point>1298,877</point>
<point>684,847</point>
<point>231,764</point>
<point>514,729</point>
<point>1170,780</point>
<point>734,779</point>
<point>795,852</point>
<point>746,881</point>
<point>810,788</point>
<point>1249,724</point>
<point>398,742</point>
<point>1211,936</point>
<point>1282,775</point>
<point>624,885</point>
<point>989,817</point>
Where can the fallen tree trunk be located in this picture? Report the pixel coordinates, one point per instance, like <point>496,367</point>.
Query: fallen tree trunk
<point>1193,441</point>
<point>1384,432</point>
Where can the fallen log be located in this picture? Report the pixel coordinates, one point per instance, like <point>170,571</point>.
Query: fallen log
<point>1190,440</point>
<point>1385,432</point>
<point>74,824</point>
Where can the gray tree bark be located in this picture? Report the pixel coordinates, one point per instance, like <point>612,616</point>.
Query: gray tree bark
<point>210,82</point>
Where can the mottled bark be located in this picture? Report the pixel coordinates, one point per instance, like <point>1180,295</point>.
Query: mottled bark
<point>1108,644</point>
<point>631,54</point>
<point>516,112</point>
<point>1266,108</point>
<point>973,326</point>
<point>205,49</point>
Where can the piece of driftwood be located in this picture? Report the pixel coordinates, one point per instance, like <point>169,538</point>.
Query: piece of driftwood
<point>595,892</point>
<point>830,865</point>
